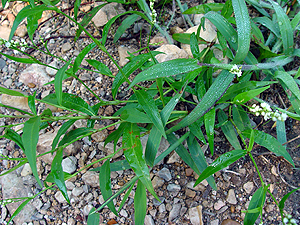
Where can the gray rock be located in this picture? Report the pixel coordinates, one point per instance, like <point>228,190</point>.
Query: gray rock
<point>123,213</point>
<point>87,209</point>
<point>149,220</point>
<point>106,13</point>
<point>162,208</point>
<point>2,63</point>
<point>37,203</point>
<point>171,52</point>
<point>175,212</point>
<point>199,187</point>
<point>13,187</point>
<point>173,187</point>
<point>157,182</point>
<point>35,74</point>
<point>219,204</point>
<point>215,222</point>
<point>248,187</point>
<point>231,197</point>
<point>91,178</point>
<point>3,212</point>
<point>77,191</point>
<point>50,71</point>
<point>12,68</point>
<point>165,174</point>
<point>174,158</point>
<point>156,202</point>
<point>85,77</point>
<point>29,180</point>
<point>26,170</point>
<point>60,198</point>
<point>69,185</point>
<point>66,47</point>
<point>101,135</point>
<point>8,82</point>
<point>69,164</point>
<point>195,215</point>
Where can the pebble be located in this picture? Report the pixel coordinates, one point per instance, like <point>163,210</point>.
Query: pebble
<point>60,198</point>
<point>21,31</point>
<point>8,82</point>
<point>157,182</point>
<point>174,158</point>
<point>123,213</point>
<point>195,215</point>
<point>123,54</point>
<point>171,52</point>
<point>248,187</point>
<point>77,191</point>
<point>165,174</point>
<point>199,187</point>
<point>190,193</point>
<point>162,208</point>
<point>35,74</point>
<point>2,63</point>
<point>91,178</point>
<point>15,101</point>
<point>189,172</point>
<point>101,135</point>
<point>50,71</point>
<point>66,47</point>
<point>175,212</point>
<point>149,220</point>
<point>229,222</point>
<point>214,222</point>
<point>156,202</point>
<point>173,187</point>
<point>26,170</point>
<point>87,209</point>
<point>3,212</point>
<point>69,164</point>
<point>4,32</point>
<point>231,197</point>
<point>219,204</point>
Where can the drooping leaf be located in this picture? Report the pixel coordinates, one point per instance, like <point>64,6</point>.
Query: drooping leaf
<point>62,130</point>
<point>105,185</point>
<point>14,136</point>
<point>32,23</point>
<point>288,80</point>
<point>257,200</point>
<point>281,132</point>
<point>268,23</point>
<point>81,56</point>
<point>31,103</point>
<point>285,197</point>
<point>148,104</point>
<point>140,203</point>
<point>58,174</point>
<point>194,46</point>
<point>220,163</point>
<point>209,121</point>
<point>133,152</point>
<point>195,128</point>
<point>271,143</point>
<point>58,82</point>
<point>115,136</point>
<point>30,139</point>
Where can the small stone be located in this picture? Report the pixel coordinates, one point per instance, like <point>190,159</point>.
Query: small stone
<point>274,171</point>
<point>174,158</point>
<point>15,101</point>
<point>69,164</point>
<point>21,31</point>
<point>175,30</point>
<point>195,215</point>
<point>173,187</point>
<point>106,13</point>
<point>218,205</point>
<point>91,178</point>
<point>149,220</point>
<point>214,222</point>
<point>31,85</point>
<point>60,198</point>
<point>229,222</point>
<point>190,193</point>
<point>2,63</point>
<point>199,187</point>
<point>50,71</point>
<point>77,191</point>
<point>162,208</point>
<point>123,54</point>
<point>37,203</point>
<point>4,32</point>
<point>171,52</point>
<point>175,212</point>
<point>3,213</point>
<point>269,208</point>
<point>189,172</point>
<point>156,202</point>
<point>66,47</point>
<point>109,110</point>
<point>248,187</point>
<point>100,136</point>
<point>157,182</point>
<point>26,170</point>
<point>123,213</point>
<point>35,74</point>
<point>231,197</point>
<point>158,40</point>
<point>87,209</point>
<point>165,174</point>
<point>8,82</point>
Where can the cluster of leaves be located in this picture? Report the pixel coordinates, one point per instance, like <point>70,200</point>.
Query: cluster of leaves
<point>221,103</point>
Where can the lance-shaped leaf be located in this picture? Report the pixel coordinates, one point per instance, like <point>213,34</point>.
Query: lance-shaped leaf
<point>199,158</point>
<point>281,132</point>
<point>73,134</point>
<point>14,136</point>
<point>257,201</point>
<point>71,102</point>
<point>271,143</point>
<point>243,29</point>
<point>140,203</point>
<point>58,82</point>
<point>195,128</point>
<point>220,163</point>
<point>115,136</point>
<point>21,60</point>
<point>81,56</point>
<point>135,116</point>
<point>30,139</point>
<point>31,103</point>
<point>93,217</point>
<point>62,130</point>
<point>166,69</point>
<point>148,104</point>
<point>58,174</point>
<point>194,46</point>
<point>76,7</point>
<point>199,9</point>
<point>125,25</point>
<point>101,67</point>
<point>248,95</point>
<point>290,83</point>
<point>133,152</point>
<point>213,94</point>
<point>209,121</point>
<point>285,197</point>
<point>228,130</point>
<point>125,197</point>
<point>19,209</point>
<point>105,185</point>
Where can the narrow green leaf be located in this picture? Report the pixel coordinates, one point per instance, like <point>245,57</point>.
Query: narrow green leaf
<point>194,46</point>
<point>199,159</point>
<point>228,130</point>
<point>257,200</point>
<point>281,132</point>
<point>62,130</point>
<point>125,25</point>
<point>22,163</point>
<point>220,163</point>
<point>209,122</point>
<point>185,38</point>
<point>119,165</point>
<point>58,82</point>
<point>213,94</point>
<point>76,7</point>
<point>248,95</point>
<point>105,185</point>
<point>32,23</point>
<point>14,136</point>
<point>289,81</point>
<point>81,56</point>
<point>73,134</point>
<point>115,136</point>
<point>93,217</point>
<point>286,30</point>
<point>140,203</point>
<point>199,9</point>
<point>21,60</point>
<point>195,128</point>
<point>270,143</point>
<point>166,69</point>
<point>148,104</point>
<point>58,174</point>
<point>285,197</point>
<point>101,67</point>
<point>135,116</point>
<point>295,21</point>
<point>125,197</point>
<point>251,142</point>
<point>30,139</point>
<point>133,152</point>
<point>7,91</point>
<point>31,103</point>
<point>268,23</point>
<point>19,209</point>
<point>70,101</point>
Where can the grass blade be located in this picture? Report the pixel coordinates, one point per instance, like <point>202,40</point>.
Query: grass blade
<point>14,136</point>
<point>140,203</point>
<point>209,122</point>
<point>248,95</point>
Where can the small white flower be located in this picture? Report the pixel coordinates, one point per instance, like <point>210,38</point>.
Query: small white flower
<point>236,70</point>
<point>7,44</point>
<point>284,116</point>
<point>22,49</point>
<point>285,220</point>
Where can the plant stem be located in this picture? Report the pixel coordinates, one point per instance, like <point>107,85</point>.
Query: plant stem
<point>256,167</point>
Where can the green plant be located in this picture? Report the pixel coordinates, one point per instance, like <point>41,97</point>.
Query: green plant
<point>222,103</point>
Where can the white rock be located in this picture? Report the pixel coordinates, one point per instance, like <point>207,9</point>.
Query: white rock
<point>174,158</point>
<point>77,191</point>
<point>35,74</point>
<point>123,213</point>
<point>157,182</point>
<point>50,71</point>
<point>87,209</point>
<point>214,222</point>
<point>60,198</point>
<point>15,101</point>
<point>175,212</point>
<point>4,32</point>
<point>195,215</point>
<point>171,52</point>
<point>69,164</point>
<point>123,54</point>
<point>21,31</point>
<point>149,220</point>
<point>26,170</point>
<point>248,187</point>
<point>231,197</point>
<point>218,205</point>
<point>91,178</point>
<point>66,47</point>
